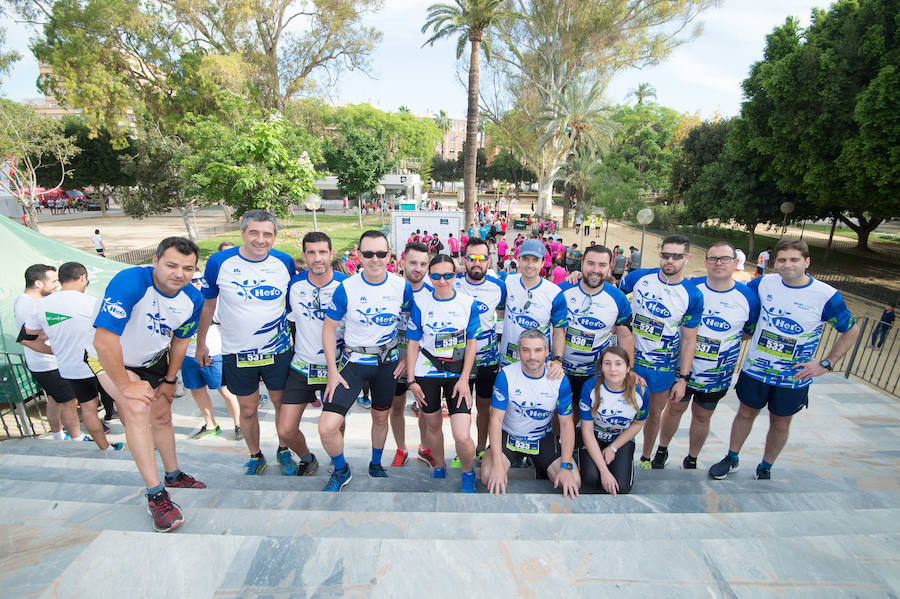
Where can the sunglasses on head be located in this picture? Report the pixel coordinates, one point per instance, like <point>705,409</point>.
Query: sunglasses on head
<point>381,254</point>
<point>446,276</point>
<point>670,256</point>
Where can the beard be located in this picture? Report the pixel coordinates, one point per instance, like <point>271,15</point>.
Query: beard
<point>476,276</point>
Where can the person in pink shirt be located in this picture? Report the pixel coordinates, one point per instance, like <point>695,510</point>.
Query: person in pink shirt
<point>503,226</point>
<point>463,238</point>
<point>559,273</point>
<point>453,242</point>
<point>548,261</point>
<point>502,248</point>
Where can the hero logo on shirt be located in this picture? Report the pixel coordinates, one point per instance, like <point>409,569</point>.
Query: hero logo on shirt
<point>537,413</point>
<point>114,309</point>
<point>590,322</point>
<point>716,323</point>
<point>657,309</point>
<point>481,307</point>
<point>249,289</point>
<point>526,322</point>
<point>786,325</point>
<point>382,319</point>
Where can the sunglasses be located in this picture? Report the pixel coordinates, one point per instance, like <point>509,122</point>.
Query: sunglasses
<point>446,276</point>
<point>720,259</point>
<point>317,303</point>
<point>670,256</point>
<point>476,258</point>
<point>527,301</point>
<point>381,254</point>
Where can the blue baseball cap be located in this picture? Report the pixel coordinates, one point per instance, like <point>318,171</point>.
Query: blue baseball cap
<point>532,247</point>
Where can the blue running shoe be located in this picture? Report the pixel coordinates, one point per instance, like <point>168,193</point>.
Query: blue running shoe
<point>364,402</point>
<point>439,473</point>
<point>377,471</point>
<point>468,483</point>
<point>256,466</point>
<point>117,446</point>
<point>288,466</point>
<point>338,480</point>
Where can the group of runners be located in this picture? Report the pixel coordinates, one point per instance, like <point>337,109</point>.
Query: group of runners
<point>563,377</point>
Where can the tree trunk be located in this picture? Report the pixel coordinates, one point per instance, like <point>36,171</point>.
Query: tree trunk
<point>863,229</point>
<point>567,199</point>
<point>751,234</point>
<point>545,196</point>
<point>31,215</point>
<point>105,192</point>
<point>226,210</point>
<point>471,136</point>
<point>186,219</point>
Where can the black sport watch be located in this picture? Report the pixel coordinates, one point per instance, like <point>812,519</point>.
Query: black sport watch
<point>827,365</point>
<point>686,377</point>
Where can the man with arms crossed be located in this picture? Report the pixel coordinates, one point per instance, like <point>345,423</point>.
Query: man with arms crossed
<point>522,409</point>
<point>667,310</point>
<point>729,310</point>
<point>249,285</point>
<point>369,304</point>
<point>141,335</point>
<point>779,368</point>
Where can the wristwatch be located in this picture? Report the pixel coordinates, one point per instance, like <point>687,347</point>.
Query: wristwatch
<point>168,382</point>
<point>567,465</point>
<point>826,365</point>
<point>556,359</point>
<point>686,377</point>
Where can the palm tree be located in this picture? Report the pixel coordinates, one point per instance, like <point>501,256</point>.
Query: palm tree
<point>444,124</point>
<point>642,92</point>
<point>586,167</point>
<point>576,117</point>
<point>471,21</point>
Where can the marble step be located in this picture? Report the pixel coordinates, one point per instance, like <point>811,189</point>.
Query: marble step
<point>280,522</point>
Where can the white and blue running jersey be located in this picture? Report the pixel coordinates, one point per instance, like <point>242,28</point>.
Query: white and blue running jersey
<point>424,290</point>
<point>592,320</point>
<point>726,315</point>
<point>24,307</point>
<point>442,327</point>
<point>252,300</point>
<point>791,320</point>
<point>144,318</point>
<point>66,317</point>
<point>490,296</point>
<point>660,310</point>
<point>306,308</point>
<point>541,307</point>
<point>614,414</point>
<point>371,313</point>
<point>529,402</point>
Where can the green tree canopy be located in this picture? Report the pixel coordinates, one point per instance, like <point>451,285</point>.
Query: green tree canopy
<point>359,159</point>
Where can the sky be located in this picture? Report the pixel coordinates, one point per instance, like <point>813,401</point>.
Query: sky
<point>703,75</point>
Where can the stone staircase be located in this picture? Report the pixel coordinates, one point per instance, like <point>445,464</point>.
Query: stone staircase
<point>75,522</point>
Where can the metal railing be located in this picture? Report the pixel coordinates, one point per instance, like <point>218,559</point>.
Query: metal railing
<point>868,288</point>
<point>20,399</point>
<point>145,254</point>
<point>878,365</point>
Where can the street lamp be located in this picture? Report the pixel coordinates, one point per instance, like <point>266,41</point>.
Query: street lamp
<point>786,208</point>
<point>379,189</point>
<point>644,218</point>
<point>313,202</point>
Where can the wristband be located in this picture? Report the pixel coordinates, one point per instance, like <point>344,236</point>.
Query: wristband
<point>168,382</point>
<point>613,447</point>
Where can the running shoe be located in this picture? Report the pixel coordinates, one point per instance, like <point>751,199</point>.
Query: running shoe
<point>400,458</point>
<point>660,459</point>
<point>106,429</point>
<point>256,466</point>
<point>455,463</point>
<point>308,468</point>
<point>338,480</point>
<point>205,432</point>
<point>721,469</point>
<point>414,408</point>
<point>288,466</point>
<point>444,411</point>
<point>377,471</point>
<point>426,456</point>
<point>364,402</point>
<point>263,398</point>
<point>186,481</point>
<point>762,474</point>
<point>117,446</point>
<point>689,463</point>
<point>468,483</point>
<point>238,434</point>
<point>644,464</point>
<point>439,473</point>
<point>165,512</point>
<point>479,456</point>
<point>110,416</point>
<point>317,403</point>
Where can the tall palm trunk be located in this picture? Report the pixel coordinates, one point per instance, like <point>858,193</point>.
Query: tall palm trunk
<point>471,131</point>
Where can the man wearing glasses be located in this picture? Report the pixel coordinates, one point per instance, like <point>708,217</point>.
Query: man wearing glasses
<point>309,294</point>
<point>533,303</point>
<point>249,285</point>
<point>490,299</point>
<point>667,311</point>
<point>729,309</point>
<point>369,305</point>
<point>596,310</point>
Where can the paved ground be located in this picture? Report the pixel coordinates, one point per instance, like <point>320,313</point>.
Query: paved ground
<point>827,525</point>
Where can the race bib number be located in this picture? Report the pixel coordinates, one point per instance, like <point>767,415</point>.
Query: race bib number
<point>522,445</point>
<point>777,345</point>
<point>605,435</point>
<point>318,374</point>
<point>647,327</point>
<point>446,343</point>
<point>707,348</point>
<point>255,360</point>
<point>512,352</point>
<point>579,340</point>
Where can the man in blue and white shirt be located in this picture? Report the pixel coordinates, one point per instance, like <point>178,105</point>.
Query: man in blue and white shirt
<point>248,285</point>
<point>780,364</point>
<point>369,304</point>
<point>146,320</point>
<point>667,310</point>
<point>730,309</point>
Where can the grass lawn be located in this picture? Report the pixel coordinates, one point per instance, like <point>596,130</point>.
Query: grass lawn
<point>851,234</point>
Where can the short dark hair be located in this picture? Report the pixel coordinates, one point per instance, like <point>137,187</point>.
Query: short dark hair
<point>97,231</point>
<point>441,258</point>
<point>791,244</point>
<point>315,237</point>
<point>722,244</point>
<point>223,245</point>
<point>415,246</point>
<point>182,245</point>
<point>37,272</point>
<point>474,241</point>
<point>373,234</point>
<point>677,239</point>
<point>597,249</point>
<point>71,271</point>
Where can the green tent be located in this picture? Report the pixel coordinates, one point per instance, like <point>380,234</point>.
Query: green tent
<point>20,247</point>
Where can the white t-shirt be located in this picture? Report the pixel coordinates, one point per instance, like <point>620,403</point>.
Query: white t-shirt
<point>371,313</point>
<point>24,307</point>
<point>614,414</point>
<point>541,307</point>
<point>307,304</point>
<point>442,327</point>
<point>529,403</point>
<point>98,242</point>
<point>67,318</point>
<point>592,320</point>
<point>213,340</point>
<point>252,300</point>
<point>490,296</point>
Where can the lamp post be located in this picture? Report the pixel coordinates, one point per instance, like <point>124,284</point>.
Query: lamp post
<point>313,202</point>
<point>786,208</point>
<point>644,218</point>
<point>379,189</point>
